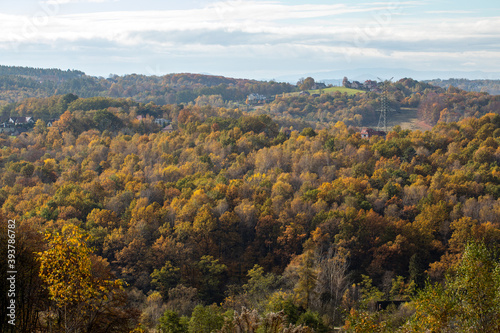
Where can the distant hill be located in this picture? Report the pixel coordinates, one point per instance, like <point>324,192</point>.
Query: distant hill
<point>40,73</point>
<point>490,86</point>
<point>361,74</point>
<point>18,83</point>
<point>44,93</point>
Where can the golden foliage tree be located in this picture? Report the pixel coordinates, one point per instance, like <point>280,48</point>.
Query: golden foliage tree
<point>76,282</point>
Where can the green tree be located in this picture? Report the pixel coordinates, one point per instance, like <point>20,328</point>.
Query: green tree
<point>308,276</point>
<point>476,283</point>
<point>314,321</point>
<point>171,322</point>
<point>212,278</point>
<point>469,300</point>
<point>206,319</point>
<point>166,278</point>
<point>105,120</point>
<point>308,131</point>
<point>259,287</point>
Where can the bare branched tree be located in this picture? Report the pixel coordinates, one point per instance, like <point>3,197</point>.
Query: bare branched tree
<point>333,281</point>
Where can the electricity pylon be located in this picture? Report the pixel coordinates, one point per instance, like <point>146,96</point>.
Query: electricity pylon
<point>384,106</point>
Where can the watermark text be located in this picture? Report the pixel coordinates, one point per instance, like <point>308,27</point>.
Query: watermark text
<point>11,272</point>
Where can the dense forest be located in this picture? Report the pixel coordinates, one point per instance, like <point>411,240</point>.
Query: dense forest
<point>276,219</point>
<point>40,73</point>
<point>19,83</point>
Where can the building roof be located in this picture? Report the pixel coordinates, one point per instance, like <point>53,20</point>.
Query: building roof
<point>371,132</point>
<point>20,120</point>
<point>168,128</point>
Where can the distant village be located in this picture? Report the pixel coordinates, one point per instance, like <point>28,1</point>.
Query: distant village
<point>368,85</point>
<point>165,124</point>
<point>16,125</point>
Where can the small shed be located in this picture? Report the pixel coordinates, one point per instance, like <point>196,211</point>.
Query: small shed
<point>367,133</point>
<point>168,129</point>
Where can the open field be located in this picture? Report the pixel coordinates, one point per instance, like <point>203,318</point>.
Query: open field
<point>330,90</point>
<point>407,118</point>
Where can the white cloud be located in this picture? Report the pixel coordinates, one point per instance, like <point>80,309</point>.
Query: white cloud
<point>64,2</point>
<point>273,21</point>
<point>236,15</point>
<point>451,12</point>
<point>265,29</point>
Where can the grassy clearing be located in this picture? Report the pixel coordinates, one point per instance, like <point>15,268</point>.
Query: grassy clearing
<point>407,118</point>
<point>331,90</point>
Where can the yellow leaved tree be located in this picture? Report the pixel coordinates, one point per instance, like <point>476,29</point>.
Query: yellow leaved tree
<point>79,283</point>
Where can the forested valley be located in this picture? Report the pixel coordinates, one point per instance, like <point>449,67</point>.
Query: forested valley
<point>277,217</point>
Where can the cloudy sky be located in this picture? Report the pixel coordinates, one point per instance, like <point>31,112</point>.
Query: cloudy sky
<point>250,38</point>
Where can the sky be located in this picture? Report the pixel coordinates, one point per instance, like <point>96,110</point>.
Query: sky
<point>256,39</point>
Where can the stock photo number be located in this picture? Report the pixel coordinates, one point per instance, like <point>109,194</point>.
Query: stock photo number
<point>11,272</point>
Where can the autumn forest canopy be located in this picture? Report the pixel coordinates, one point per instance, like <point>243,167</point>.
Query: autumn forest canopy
<point>176,204</point>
